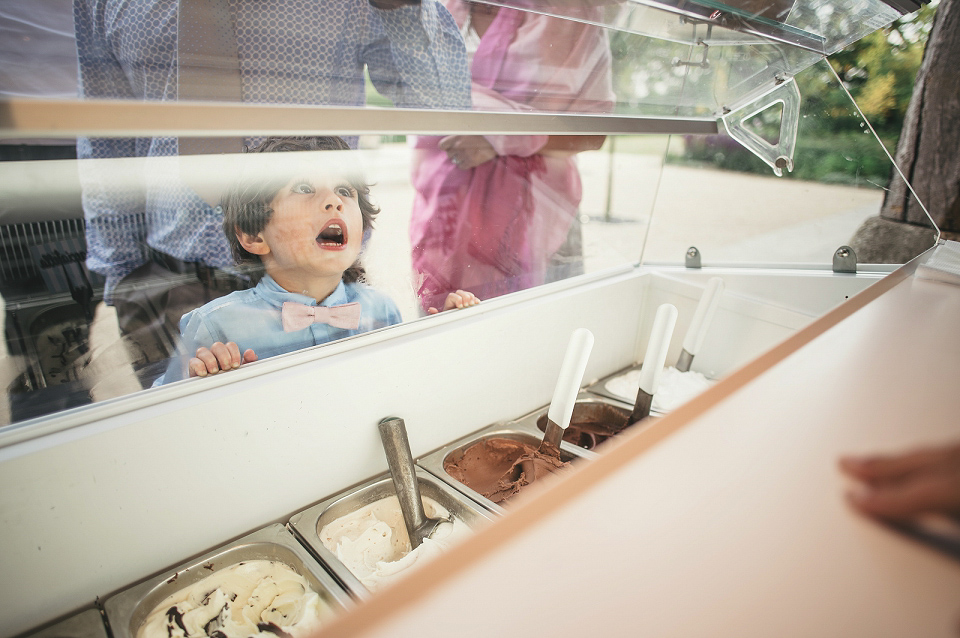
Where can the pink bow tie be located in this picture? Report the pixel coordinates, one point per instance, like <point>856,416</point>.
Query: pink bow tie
<point>297,316</point>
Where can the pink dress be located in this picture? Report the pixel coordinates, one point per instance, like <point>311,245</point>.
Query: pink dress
<point>492,229</point>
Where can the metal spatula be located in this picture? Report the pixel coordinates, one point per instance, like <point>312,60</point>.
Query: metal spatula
<point>396,446</point>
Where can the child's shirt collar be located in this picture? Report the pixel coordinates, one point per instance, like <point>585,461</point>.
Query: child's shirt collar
<point>276,294</point>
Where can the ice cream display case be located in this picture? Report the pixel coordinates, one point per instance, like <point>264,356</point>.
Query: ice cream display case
<point>589,207</point>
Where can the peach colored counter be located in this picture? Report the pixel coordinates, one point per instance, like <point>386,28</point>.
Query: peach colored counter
<point>712,524</point>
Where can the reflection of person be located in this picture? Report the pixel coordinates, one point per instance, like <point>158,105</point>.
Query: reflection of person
<point>902,486</point>
<point>307,232</point>
<point>492,210</point>
<point>155,227</point>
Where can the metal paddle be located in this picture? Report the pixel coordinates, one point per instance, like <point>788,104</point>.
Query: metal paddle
<point>393,434</point>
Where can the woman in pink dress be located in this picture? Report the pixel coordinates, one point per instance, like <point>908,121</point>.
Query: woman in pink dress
<point>492,210</point>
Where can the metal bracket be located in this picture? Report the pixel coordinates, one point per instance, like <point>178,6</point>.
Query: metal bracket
<point>704,63</point>
<point>779,156</point>
<point>692,258</point>
<point>845,260</point>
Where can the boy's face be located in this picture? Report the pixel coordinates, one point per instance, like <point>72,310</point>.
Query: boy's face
<point>315,231</point>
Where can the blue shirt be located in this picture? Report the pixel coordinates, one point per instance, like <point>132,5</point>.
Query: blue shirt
<point>290,52</point>
<point>251,318</point>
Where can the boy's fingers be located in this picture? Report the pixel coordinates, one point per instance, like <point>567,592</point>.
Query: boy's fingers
<point>933,492</point>
<point>883,468</point>
<point>223,355</point>
<point>249,356</point>
<point>208,359</point>
<point>235,358</point>
<point>432,311</point>
<point>197,368</point>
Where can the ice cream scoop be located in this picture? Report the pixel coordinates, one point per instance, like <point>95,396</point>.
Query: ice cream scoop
<point>654,359</point>
<point>702,316</point>
<point>393,434</point>
<point>565,393</point>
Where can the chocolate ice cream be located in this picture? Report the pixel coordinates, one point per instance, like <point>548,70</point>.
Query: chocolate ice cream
<point>498,468</point>
<point>592,424</point>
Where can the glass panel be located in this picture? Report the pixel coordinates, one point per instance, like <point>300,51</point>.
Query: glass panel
<point>673,58</point>
<point>151,245</point>
<point>719,197</point>
<point>824,26</point>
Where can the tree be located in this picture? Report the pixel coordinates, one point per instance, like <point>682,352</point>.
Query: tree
<point>927,153</point>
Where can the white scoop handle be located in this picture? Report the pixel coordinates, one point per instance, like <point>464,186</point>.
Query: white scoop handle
<point>657,347</point>
<point>706,308</point>
<point>571,375</point>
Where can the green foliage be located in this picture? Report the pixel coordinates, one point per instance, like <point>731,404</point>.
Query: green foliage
<point>879,72</point>
<point>848,158</point>
<point>833,143</point>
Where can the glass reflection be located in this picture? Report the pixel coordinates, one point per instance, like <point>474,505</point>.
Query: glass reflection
<point>494,213</point>
<point>156,236</point>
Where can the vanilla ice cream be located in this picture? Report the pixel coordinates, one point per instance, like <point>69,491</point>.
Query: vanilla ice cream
<point>372,541</point>
<point>252,598</point>
<point>676,388</point>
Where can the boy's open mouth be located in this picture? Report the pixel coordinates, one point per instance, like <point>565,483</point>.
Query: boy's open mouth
<point>333,234</point>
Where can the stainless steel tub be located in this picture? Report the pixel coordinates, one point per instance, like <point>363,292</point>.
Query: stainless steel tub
<point>433,462</point>
<point>86,624</point>
<point>308,523</point>
<point>599,388</point>
<point>128,610</point>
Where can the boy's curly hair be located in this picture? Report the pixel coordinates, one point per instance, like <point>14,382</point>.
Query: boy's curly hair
<point>246,206</point>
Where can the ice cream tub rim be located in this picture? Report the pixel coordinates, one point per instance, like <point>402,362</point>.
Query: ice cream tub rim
<point>127,610</point>
<point>85,624</point>
<point>307,523</point>
<point>433,462</point>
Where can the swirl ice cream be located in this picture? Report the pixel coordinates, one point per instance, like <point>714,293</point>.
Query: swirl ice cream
<point>252,598</point>
<point>372,542</point>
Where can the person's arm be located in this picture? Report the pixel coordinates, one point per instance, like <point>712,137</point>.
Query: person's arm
<point>416,56</point>
<point>113,194</point>
<point>572,144</point>
<point>902,486</point>
<point>470,151</point>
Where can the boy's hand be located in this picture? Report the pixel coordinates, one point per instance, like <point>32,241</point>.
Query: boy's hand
<point>219,356</point>
<point>459,299</point>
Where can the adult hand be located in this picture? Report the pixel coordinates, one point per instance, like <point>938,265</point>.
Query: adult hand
<point>219,356</point>
<point>902,486</point>
<point>467,151</point>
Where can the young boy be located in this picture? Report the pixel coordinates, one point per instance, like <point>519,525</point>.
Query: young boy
<point>307,232</point>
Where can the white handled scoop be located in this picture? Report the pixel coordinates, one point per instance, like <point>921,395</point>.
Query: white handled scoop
<point>702,316</point>
<point>654,359</point>
<point>568,386</point>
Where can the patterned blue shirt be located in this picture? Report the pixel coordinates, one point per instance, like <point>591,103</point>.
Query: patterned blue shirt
<point>290,52</point>
<point>251,318</point>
